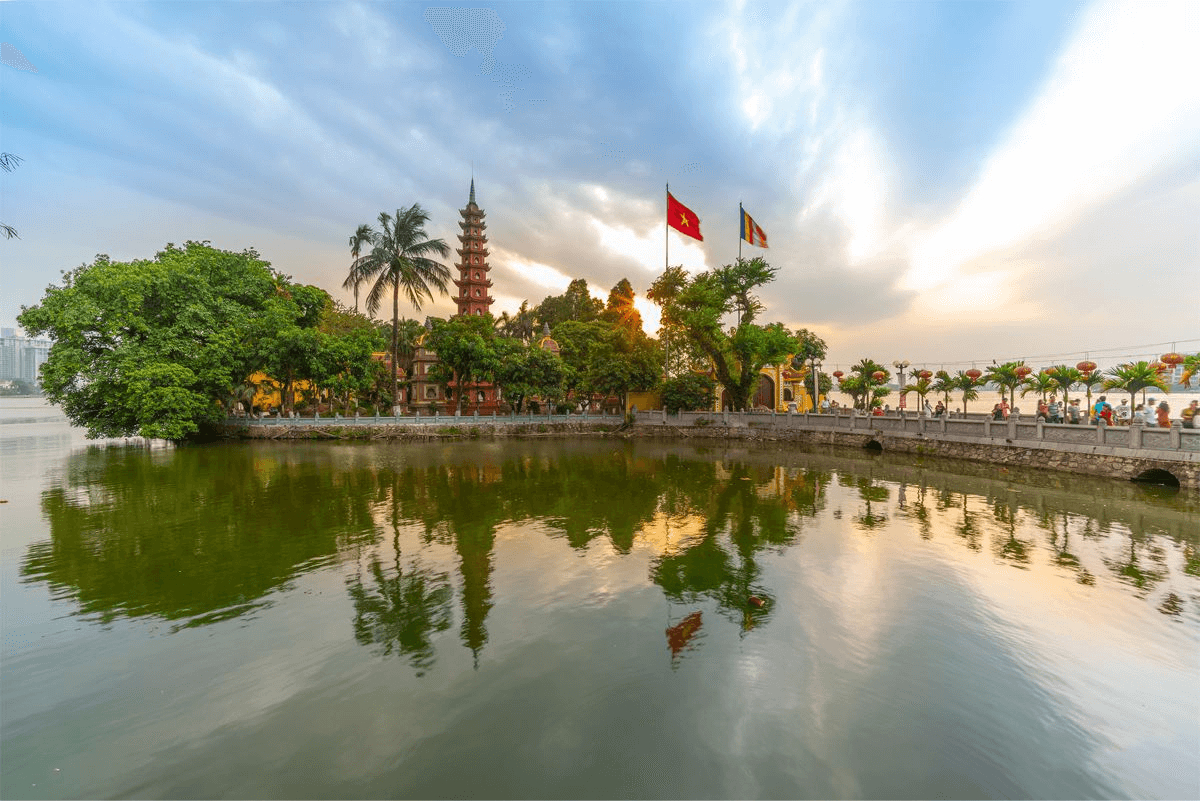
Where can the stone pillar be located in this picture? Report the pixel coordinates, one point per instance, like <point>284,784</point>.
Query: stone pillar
<point>1012,426</point>
<point>1176,436</point>
<point>1041,432</point>
<point>1100,426</point>
<point>1135,436</point>
<point>987,427</point>
<point>942,424</point>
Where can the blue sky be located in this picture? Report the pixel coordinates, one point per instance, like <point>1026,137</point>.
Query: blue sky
<point>939,181</point>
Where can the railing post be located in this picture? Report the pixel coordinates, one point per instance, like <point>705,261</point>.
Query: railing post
<point>1176,436</point>
<point>1135,435</point>
<point>942,423</point>
<point>987,427</point>
<point>1012,426</point>
<point>1100,426</point>
<point>1041,432</point>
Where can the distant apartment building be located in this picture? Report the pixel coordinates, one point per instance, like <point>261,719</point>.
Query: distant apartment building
<point>20,358</point>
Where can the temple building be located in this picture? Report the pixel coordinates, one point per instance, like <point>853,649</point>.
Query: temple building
<point>473,297</point>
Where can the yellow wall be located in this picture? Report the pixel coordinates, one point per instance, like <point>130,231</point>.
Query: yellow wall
<point>643,400</point>
<point>267,396</point>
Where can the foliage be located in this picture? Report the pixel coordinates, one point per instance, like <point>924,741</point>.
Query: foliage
<point>620,311</point>
<point>358,239</point>
<point>1040,383</point>
<point>865,390</point>
<point>154,347</point>
<point>1191,368</point>
<point>527,370</point>
<point>400,261</point>
<point>698,307</point>
<point>691,392</point>
<point>575,304</point>
<point>967,385</point>
<point>1005,376</point>
<point>519,326</point>
<point>466,350</point>
<point>1133,377</point>
<point>1065,377</point>
<point>681,354</point>
<point>8,163</point>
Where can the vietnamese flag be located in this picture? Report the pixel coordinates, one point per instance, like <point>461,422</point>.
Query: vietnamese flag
<point>682,219</point>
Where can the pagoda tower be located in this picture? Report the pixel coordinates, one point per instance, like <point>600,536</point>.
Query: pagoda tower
<point>473,282</point>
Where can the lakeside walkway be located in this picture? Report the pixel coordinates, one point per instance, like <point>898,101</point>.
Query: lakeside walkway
<point>1125,452</point>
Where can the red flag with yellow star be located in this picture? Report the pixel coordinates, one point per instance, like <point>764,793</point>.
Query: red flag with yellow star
<point>682,219</point>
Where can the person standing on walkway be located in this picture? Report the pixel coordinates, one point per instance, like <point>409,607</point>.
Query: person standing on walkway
<point>1054,410</point>
<point>1164,415</point>
<point>1189,415</point>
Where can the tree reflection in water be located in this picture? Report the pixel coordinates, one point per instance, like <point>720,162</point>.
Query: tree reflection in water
<point>402,611</point>
<point>207,534</point>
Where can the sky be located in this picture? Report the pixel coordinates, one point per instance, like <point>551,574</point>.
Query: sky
<point>945,183</point>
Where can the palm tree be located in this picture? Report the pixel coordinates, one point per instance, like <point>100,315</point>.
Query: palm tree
<point>943,384</point>
<point>399,260</point>
<point>1005,376</point>
<point>360,237</point>
<point>1065,377</point>
<point>1041,383</point>
<point>872,390</point>
<point>967,384</point>
<point>1091,379</point>
<point>922,386</point>
<point>1133,378</point>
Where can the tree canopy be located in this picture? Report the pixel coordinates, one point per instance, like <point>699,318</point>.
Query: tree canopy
<point>154,347</point>
<point>698,306</point>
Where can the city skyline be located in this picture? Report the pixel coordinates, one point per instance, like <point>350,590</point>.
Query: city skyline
<point>938,182</point>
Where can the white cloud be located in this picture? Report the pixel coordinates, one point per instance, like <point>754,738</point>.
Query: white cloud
<point>1122,100</point>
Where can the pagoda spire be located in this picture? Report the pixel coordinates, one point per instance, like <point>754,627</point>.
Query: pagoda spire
<point>471,201</point>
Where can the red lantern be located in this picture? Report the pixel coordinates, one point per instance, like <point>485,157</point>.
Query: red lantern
<point>838,374</point>
<point>974,374</point>
<point>1085,367</point>
<point>1023,371</point>
<point>1172,359</point>
<point>879,375</point>
<point>925,374</point>
<point>1157,367</point>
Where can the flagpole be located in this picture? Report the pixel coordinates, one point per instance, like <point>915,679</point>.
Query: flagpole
<point>666,235</point>
<point>741,222</point>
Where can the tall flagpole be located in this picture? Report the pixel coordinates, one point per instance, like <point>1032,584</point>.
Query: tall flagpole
<point>666,233</point>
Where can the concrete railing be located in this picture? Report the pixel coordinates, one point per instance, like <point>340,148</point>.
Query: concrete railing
<point>1015,430</point>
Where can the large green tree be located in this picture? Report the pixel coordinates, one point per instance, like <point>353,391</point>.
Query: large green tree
<point>154,347</point>
<point>400,261</point>
<point>527,370</point>
<point>466,350</point>
<point>699,308</point>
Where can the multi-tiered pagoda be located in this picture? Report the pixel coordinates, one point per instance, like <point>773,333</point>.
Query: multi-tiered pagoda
<point>473,282</point>
<point>473,298</point>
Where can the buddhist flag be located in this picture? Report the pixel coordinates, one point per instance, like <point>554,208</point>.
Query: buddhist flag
<point>682,219</point>
<point>751,231</point>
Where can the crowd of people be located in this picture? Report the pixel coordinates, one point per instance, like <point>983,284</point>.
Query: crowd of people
<point>1152,413</point>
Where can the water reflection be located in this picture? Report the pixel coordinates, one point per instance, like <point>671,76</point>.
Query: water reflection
<point>191,535</point>
<point>202,535</point>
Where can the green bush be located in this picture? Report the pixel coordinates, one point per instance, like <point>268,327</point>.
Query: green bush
<point>690,392</point>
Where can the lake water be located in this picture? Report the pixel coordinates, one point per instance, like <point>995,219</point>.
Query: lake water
<point>532,619</point>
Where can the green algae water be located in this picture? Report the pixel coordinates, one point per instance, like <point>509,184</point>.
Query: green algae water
<point>585,619</point>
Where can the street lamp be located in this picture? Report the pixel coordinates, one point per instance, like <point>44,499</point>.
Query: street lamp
<point>901,366</point>
<point>816,384</point>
